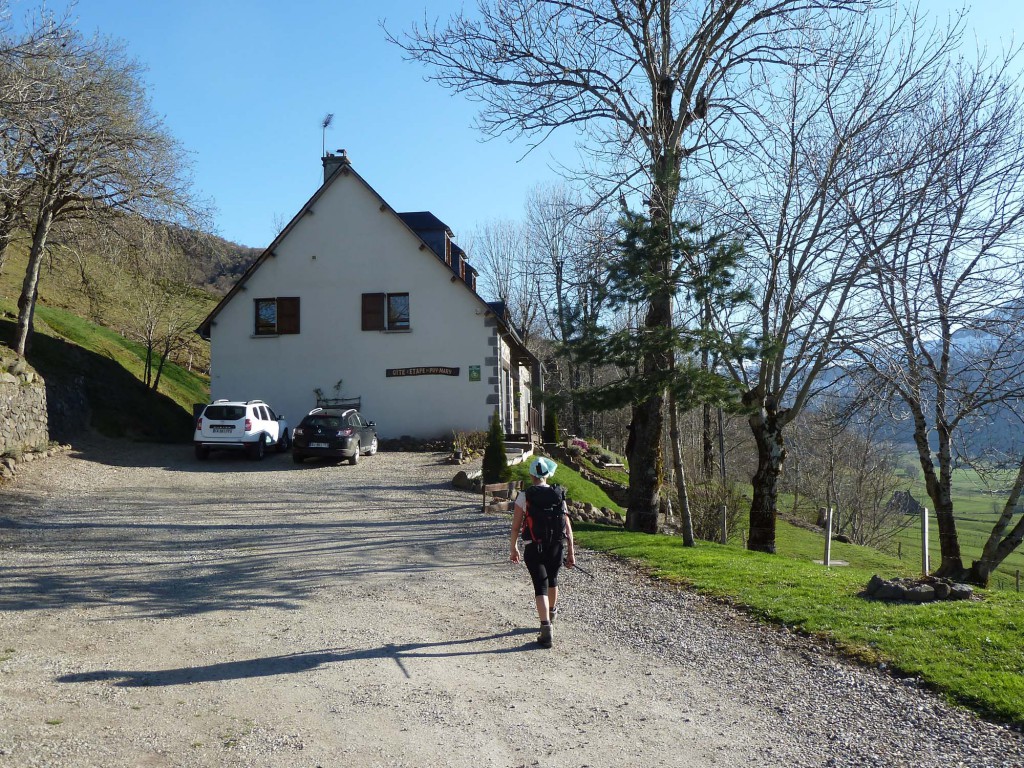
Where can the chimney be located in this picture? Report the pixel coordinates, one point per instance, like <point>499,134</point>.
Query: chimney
<point>332,162</point>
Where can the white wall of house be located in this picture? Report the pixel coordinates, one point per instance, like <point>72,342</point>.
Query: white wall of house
<point>350,244</point>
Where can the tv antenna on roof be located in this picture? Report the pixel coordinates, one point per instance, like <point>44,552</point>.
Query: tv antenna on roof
<point>325,124</point>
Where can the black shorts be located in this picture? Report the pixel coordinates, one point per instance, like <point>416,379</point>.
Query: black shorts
<point>543,566</point>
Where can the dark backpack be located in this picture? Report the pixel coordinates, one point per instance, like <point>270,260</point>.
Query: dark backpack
<point>545,515</point>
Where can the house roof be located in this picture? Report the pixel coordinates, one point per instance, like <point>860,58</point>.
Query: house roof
<point>423,220</point>
<point>418,221</point>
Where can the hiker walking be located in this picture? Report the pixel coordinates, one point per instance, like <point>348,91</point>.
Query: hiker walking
<point>542,517</point>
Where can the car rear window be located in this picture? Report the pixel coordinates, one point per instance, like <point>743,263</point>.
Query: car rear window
<point>224,412</point>
<point>331,422</point>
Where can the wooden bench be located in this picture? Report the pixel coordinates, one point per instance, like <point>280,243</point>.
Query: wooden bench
<point>502,496</point>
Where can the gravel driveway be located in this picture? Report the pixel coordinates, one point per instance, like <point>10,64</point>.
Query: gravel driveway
<point>158,611</point>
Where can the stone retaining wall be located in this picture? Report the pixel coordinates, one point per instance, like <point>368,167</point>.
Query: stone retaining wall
<point>23,412</point>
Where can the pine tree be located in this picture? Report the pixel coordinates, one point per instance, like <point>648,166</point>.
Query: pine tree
<point>495,467</point>
<point>658,266</point>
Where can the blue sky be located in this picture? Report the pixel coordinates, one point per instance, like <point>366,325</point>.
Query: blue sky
<point>244,84</point>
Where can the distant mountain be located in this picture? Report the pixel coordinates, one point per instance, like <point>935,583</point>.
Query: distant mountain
<point>996,430</point>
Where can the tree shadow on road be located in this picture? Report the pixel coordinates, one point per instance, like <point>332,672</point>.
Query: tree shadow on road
<point>300,662</point>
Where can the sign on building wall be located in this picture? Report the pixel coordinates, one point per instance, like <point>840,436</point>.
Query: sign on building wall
<point>429,370</point>
<point>474,373</point>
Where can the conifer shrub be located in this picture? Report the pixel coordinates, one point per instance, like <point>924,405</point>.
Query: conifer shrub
<point>551,427</point>
<point>495,465</point>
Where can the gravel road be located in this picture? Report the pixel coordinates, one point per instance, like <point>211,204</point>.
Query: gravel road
<point>158,611</point>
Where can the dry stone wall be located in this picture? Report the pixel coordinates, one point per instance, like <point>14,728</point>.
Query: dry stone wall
<point>23,413</point>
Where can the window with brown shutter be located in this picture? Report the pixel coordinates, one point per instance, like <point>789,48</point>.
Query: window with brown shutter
<point>277,316</point>
<point>373,311</point>
<point>288,314</point>
<point>386,312</point>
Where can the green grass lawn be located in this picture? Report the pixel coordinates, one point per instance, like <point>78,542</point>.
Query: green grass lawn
<point>969,651</point>
<point>615,475</point>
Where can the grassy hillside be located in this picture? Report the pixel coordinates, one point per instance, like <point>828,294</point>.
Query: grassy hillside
<point>61,288</point>
<point>71,352</point>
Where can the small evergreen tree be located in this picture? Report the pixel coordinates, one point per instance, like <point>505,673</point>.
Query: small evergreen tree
<point>551,426</point>
<point>495,467</point>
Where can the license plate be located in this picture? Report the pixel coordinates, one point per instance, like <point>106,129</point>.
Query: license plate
<point>319,445</point>
<point>221,428</point>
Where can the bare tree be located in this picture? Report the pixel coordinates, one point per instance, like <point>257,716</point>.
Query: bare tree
<point>158,310</point>
<point>508,273</point>
<point>807,166</point>
<point>851,467</point>
<point>21,98</point>
<point>641,79</point>
<point>93,148</point>
<point>949,283</point>
<point>570,244</point>
<point>138,273</point>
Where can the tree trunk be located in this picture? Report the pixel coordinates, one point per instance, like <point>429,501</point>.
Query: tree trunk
<point>939,491</point>
<point>771,453</point>
<point>160,369</point>
<point>998,548</point>
<point>147,366</point>
<point>30,287</point>
<point>645,466</point>
<point>647,459</point>
<point>708,443</point>
<point>5,240</point>
<point>576,379</point>
<point>685,519</point>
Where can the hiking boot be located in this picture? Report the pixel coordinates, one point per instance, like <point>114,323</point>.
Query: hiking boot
<point>553,614</point>
<point>544,638</point>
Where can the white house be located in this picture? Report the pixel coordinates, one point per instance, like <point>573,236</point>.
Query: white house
<point>384,303</point>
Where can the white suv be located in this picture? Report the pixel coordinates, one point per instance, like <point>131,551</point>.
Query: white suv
<point>251,426</point>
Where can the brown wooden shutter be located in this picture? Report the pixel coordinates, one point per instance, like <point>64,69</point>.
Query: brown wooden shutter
<point>288,314</point>
<point>373,311</point>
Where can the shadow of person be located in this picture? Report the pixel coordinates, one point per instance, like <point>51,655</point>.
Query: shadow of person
<point>293,663</point>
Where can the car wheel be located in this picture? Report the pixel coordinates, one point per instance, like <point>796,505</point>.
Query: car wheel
<point>298,458</point>
<point>258,449</point>
<point>284,443</point>
<point>373,447</point>
<point>202,452</point>
<point>354,458</point>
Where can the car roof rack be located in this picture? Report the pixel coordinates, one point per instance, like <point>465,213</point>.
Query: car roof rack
<point>342,411</point>
<point>340,402</point>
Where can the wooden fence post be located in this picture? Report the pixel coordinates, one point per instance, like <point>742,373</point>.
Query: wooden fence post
<point>924,540</point>
<point>828,537</point>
